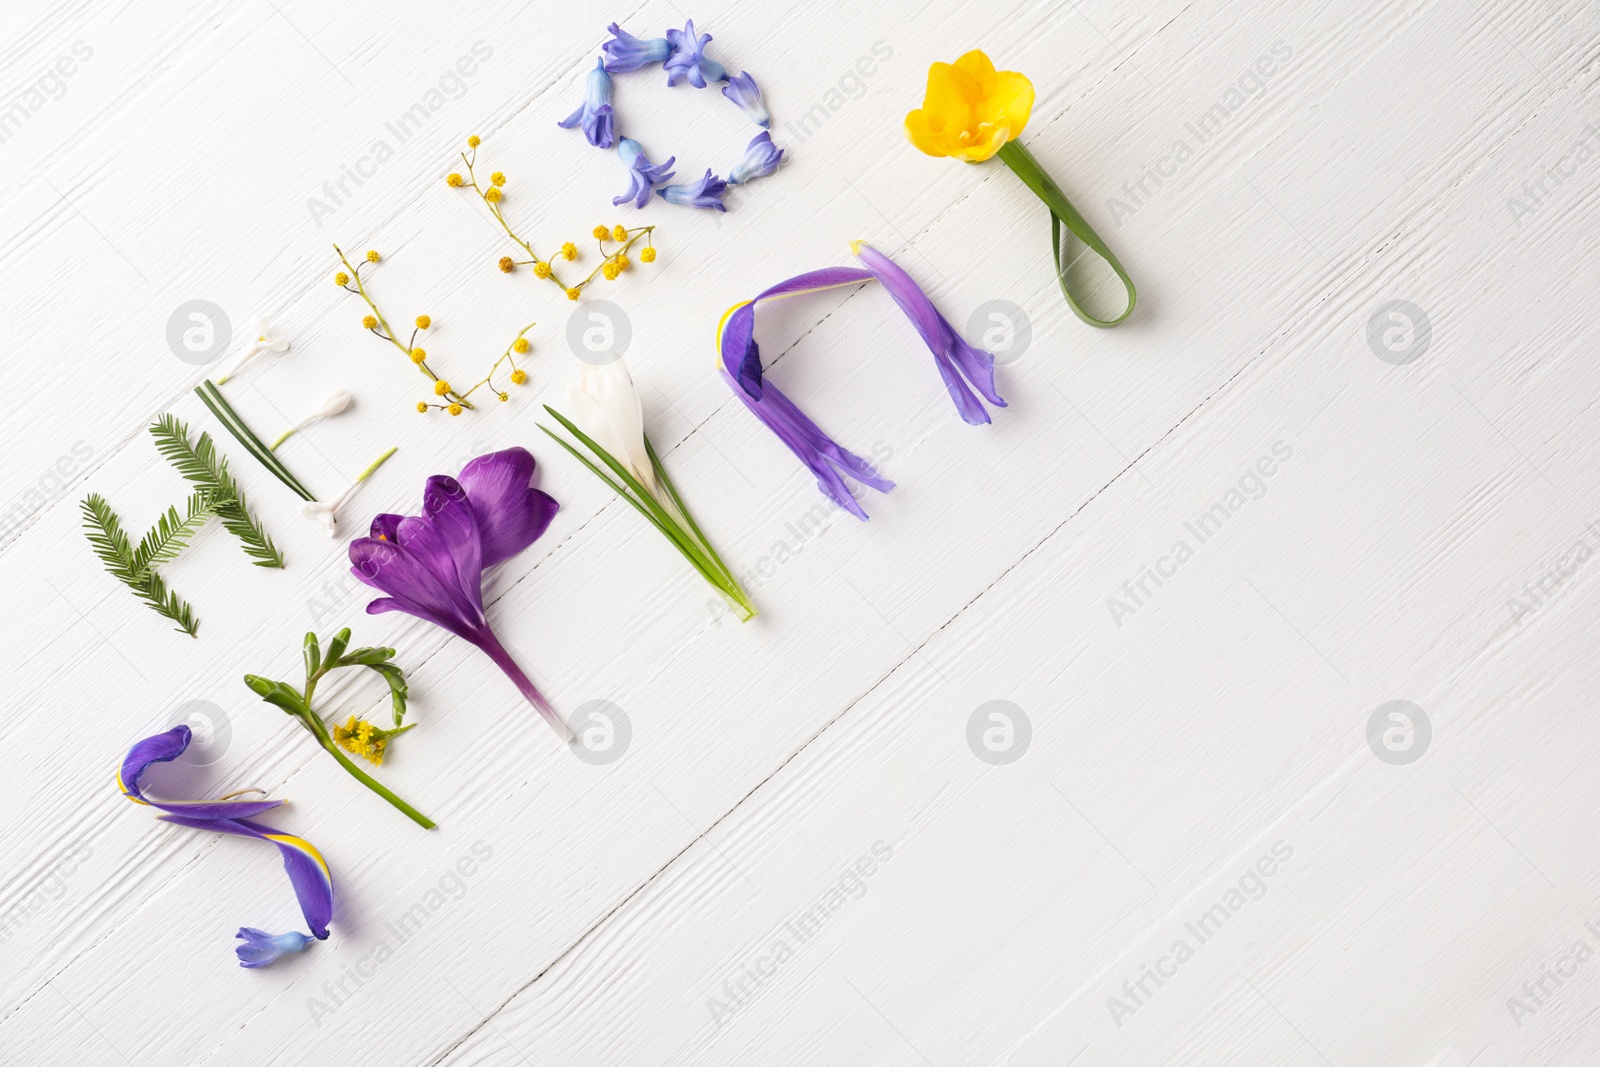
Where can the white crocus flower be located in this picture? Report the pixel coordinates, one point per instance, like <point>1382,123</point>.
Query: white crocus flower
<point>328,513</point>
<point>263,342</point>
<point>331,405</point>
<point>604,404</point>
<point>604,408</point>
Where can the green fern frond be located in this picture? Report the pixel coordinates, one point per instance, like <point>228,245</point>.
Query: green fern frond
<point>171,535</point>
<point>106,537</point>
<point>110,543</point>
<point>201,465</point>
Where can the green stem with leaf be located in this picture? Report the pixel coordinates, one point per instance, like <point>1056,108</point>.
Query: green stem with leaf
<point>297,703</point>
<point>671,517</point>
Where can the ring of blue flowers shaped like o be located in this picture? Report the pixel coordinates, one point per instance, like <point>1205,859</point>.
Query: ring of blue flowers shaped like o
<point>682,53</point>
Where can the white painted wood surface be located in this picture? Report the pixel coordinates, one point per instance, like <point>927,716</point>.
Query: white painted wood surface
<point>970,913</point>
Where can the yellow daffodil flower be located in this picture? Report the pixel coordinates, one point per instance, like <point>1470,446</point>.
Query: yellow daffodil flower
<point>970,109</point>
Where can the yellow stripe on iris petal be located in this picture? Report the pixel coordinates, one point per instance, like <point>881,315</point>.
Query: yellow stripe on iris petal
<point>726,315</point>
<point>302,845</point>
<point>126,793</point>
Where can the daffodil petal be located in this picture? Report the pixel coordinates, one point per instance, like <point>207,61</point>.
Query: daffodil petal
<point>976,63</point>
<point>1009,99</point>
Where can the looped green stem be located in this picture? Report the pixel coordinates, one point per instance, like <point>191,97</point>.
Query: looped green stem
<point>1014,155</point>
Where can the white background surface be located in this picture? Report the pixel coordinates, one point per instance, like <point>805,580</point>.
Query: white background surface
<point>1171,748</point>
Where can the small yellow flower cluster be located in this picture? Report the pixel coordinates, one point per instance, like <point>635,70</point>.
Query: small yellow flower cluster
<point>449,399</point>
<point>359,738</point>
<point>613,261</point>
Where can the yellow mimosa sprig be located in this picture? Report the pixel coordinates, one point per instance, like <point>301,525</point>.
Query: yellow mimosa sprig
<point>613,261</point>
<point>449,398</point>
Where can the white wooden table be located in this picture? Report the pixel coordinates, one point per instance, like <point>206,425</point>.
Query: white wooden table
<point>1180,846</point>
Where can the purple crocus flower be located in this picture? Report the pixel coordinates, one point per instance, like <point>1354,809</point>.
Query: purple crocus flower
<point>643,175</point>
<point>761,158</point>
<point>688,58</point>
<point>308,872</point>
<point>957,360</point>
<point>707,192</point>
<point>741,368</point>
<point>742,90</point>
<point>261,949</point>
<point>628,52</point>
<point>431,565</point>
<point>595,112</point>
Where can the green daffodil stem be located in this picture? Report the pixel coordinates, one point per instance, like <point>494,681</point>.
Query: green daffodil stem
<point>1016,156</point>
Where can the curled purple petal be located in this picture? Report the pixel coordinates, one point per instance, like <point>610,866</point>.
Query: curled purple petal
<point>163,748</point>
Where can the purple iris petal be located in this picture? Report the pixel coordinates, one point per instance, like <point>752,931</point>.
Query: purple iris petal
<point>628,52</point>
<point>740,354</point>
<point>707,193</point>
<point>261,949</point>
<point>594,114</point>
<point>167,746</point>
<point>761,158</point>
<point>956,358</point>
<point>308,872</point>
<point>742,90</point>
<point>741,359</point>
<point>688,58</point>
<point>643,175</point>
<point>431,565</point>
<point>821,454</point>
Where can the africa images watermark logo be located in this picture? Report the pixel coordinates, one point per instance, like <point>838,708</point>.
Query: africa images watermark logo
<point>450,87</point>
<point>1138,192</point>
<point>450,886</point>
<point>741,987</point>
<point>1137,592</point>
<point>1251,886</point>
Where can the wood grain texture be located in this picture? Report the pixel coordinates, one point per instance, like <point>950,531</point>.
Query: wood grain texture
<point>800,859</point>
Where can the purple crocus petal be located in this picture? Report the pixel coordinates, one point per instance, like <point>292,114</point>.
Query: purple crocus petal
<point>688,58</point>
<point>594,114</point>
<point>761,158</point>
<point>261,949</point>
<point>433,567</point>
<point>742,90</point>
<point>511,513</point>
<point>420,587</point>
<point>446,533</point>
<point>956,358</point>
<point>643,175</point>
<point>736,340</point>
<point>821,454</point>
<point>706,193</point>
<point>163,748</point>
<point>307,870</point>
<point>627,52</point>
<point>384,526</point>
